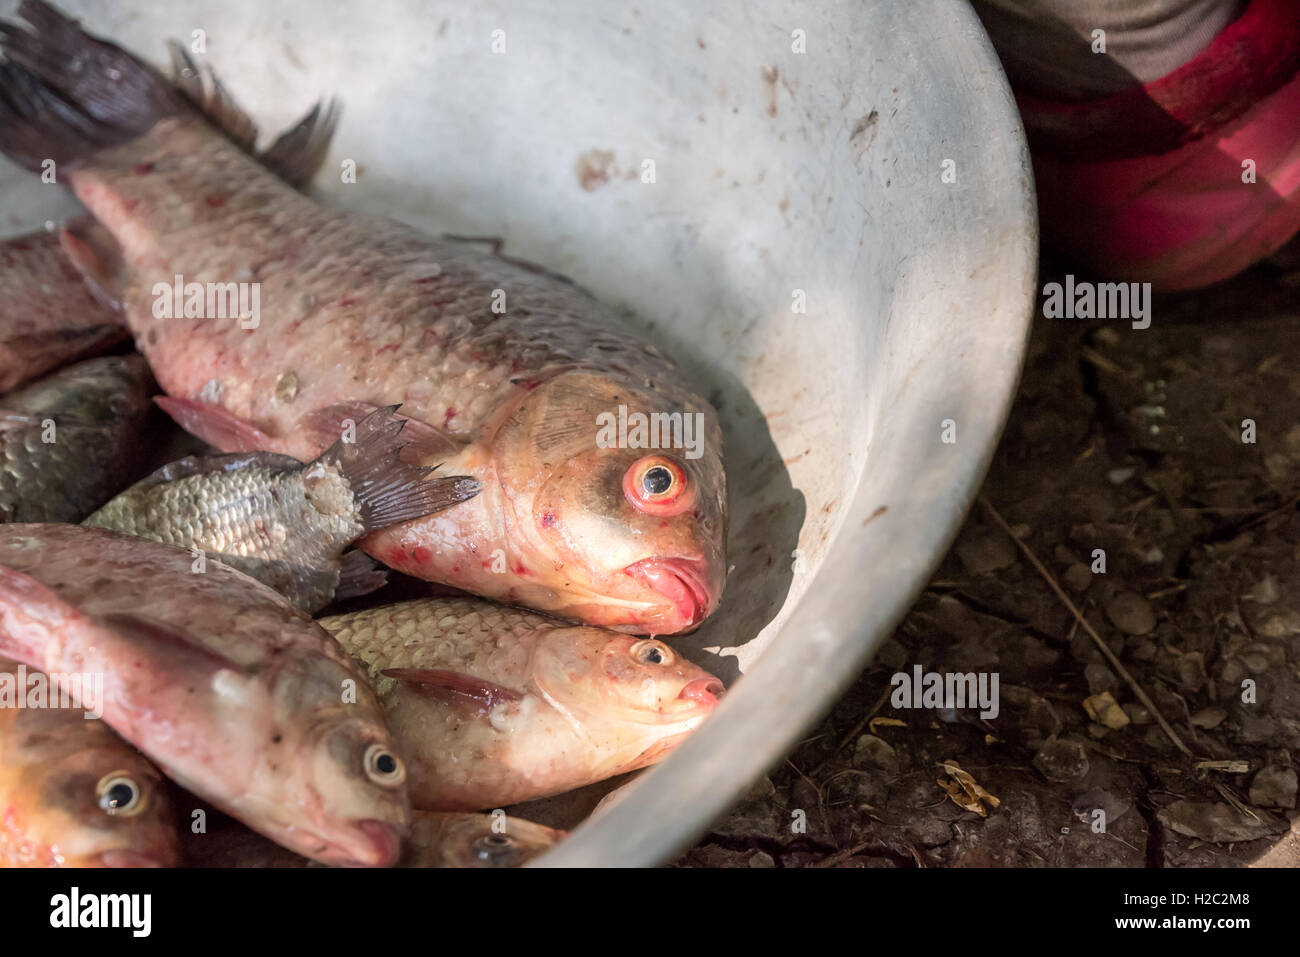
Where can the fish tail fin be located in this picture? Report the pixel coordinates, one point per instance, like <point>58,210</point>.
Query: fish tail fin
<point>31,617</point>
<point>298,153</point>
<point>388,490</point>
<point>359,574</point>
<point>295,156</point>
<point>65,94</point>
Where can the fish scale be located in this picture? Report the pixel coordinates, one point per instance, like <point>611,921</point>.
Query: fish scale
<point>435,293</point>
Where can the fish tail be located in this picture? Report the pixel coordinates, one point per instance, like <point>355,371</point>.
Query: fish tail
<point>65,94</point>
<point>388,491</point>
<point>295,156</point>
<point>359,574</point>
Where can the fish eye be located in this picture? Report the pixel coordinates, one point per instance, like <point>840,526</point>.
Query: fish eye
<point>495,850</point>
<point>119,795</point>
<point>384,767</point>
<point>657,485</point>
<point>651,652</point>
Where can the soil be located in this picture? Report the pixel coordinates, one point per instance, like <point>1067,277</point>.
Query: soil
<point>1170,458</point>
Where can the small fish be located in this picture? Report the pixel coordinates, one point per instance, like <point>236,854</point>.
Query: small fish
<point>72,439</point>
<point>284,522</point>
<point>492,706</point>
<point>518,392</point>
<point>229,689</point>
<point>74,794</point>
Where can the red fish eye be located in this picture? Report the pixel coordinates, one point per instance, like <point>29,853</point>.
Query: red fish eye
<point>657,485</point>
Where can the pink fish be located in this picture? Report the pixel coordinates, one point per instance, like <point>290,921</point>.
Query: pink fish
<point>234,693</point>
<point>510,375</point>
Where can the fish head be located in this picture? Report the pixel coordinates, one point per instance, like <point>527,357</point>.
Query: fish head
<point>621,687</point>
<point>338,782</point>
<point>625,536</point>
<point>102,805</point>
<point>476,840</point>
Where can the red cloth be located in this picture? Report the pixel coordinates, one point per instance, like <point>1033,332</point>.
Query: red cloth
<point>1147,184</point>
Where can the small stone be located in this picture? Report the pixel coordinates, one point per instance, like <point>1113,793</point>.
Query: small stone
<point>1142,649</point>
<point>1265,591</point>
<point>1131,613</point>
<point>1120,476</point>
<point>1078,577</point>
<point>1105,710</point>
<point>1274,787</point>
<point>1059,760</point>
<point>1098,731</point>
<point>1100,678</point>
<point>871,752</point>
<point>1137,713</point>
<point>986,550</point>
<point>1209,718</point>
<point>761,859</point>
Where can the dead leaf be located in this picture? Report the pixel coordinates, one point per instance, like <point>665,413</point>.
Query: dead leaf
<point>964,791</point>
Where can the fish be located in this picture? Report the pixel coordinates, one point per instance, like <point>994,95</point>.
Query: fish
<point>73,793</point>
<point>475,840</point>
<point>284,522</point>
<point>234,693</point>
<point>69,441</point>
<point>48,315</point>
<point>492,705</point>
<point>437,839</point>
<point>509,373</point>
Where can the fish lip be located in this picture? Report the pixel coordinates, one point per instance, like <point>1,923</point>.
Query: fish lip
<point>384,844</point>
<point>128,859</point>
<point>681,582</point>
<point>704,691</point>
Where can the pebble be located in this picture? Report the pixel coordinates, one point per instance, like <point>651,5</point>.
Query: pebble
<point>1131,613</point>
<point>1274,787</point>
<point>986,550</point>
<point>1078,577</point>
<point>1059,760</point>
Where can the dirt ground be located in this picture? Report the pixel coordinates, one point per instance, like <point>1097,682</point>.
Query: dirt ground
<point>1134,442</point>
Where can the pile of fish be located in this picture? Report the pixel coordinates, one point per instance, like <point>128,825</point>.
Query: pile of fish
<point>359,402</point>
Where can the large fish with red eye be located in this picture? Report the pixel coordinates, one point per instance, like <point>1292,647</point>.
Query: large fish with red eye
<point>358,313</point>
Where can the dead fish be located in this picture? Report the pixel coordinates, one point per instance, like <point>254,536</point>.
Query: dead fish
<point>492,706</point>
<point>229,689</point>
<point>285,522</point>
<point>364,313</point>
<point>71,440</point>
<point>437,839</point>
<point>475,840</point>
<point>48,316</point>
<point>73,793</point>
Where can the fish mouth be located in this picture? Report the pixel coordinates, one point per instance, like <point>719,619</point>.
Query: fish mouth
<point>382,845</point>
<point>128,859</point>
<point>702,691</point>
<point>681,582</point>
